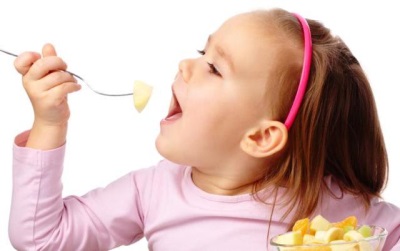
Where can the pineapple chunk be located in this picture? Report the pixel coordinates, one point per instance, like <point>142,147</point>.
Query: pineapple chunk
<point>332,234</point>
<point>141,94</point>
<point>353,235</point>
<point>310,239</point>
<point>290,238</point>
<point>319,223</point>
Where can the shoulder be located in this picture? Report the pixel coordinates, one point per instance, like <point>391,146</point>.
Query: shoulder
<point>159,178</point>
<point>387,215</point>
<point>157,185</point>
<point>337,205</point>
<point>381,206</point>
<point>164,170</point>
<point>341,203</point>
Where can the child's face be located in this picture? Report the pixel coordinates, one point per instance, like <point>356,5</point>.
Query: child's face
<point>215,105</point>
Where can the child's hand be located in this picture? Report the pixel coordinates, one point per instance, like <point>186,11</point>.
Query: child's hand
<point>47,85</point>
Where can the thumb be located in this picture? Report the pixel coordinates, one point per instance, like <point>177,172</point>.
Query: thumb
<point>48,50</point>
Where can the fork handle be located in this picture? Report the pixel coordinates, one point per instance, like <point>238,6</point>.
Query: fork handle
<point>9,53</point>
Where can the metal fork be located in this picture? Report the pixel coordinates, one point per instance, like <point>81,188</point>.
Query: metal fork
<point>80,78</point>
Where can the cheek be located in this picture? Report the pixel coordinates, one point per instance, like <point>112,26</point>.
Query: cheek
<point>214,121</point>
<point>204,111</point>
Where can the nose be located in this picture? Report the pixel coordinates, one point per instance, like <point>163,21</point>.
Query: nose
<point>186,69</point>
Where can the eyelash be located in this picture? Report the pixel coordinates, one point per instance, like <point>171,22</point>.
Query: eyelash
<point>213,70</point>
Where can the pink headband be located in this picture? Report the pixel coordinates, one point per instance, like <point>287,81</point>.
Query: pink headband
<point>304,74</point>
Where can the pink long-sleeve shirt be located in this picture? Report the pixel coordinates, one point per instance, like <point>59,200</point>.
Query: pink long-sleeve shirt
<point>160,203</point>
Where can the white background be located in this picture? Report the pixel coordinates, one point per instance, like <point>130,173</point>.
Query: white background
<point>112,43</point>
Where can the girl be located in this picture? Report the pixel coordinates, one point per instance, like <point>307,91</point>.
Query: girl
<point>274,121</point>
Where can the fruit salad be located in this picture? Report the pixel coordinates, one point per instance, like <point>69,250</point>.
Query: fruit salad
<point>321,234</point>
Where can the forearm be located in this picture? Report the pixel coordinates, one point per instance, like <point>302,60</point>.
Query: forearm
<point>36,200</point>
<point>40,219</point>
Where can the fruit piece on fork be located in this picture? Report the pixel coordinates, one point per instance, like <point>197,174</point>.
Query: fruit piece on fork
<point>141,94</point>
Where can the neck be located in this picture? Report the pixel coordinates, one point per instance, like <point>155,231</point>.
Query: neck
<point>224,183</point>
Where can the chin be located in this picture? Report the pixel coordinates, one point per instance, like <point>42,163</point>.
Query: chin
<point>166,149</point>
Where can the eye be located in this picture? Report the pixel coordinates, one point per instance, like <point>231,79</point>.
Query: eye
<point>201,52</point>
<point>214,70</point>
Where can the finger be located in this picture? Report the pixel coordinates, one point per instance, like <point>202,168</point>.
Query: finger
<point>24,61</point>
<point>56,78</point>
<point>48,50</point>
<point>45,66</point>
<point>64,89</point>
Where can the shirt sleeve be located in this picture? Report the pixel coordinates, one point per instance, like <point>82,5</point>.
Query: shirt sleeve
<point>40,219</point>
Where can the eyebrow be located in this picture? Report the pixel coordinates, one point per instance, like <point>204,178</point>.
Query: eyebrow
<point>222,53</point>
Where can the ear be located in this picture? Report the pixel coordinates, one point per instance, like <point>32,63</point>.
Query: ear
<point>266,139</point>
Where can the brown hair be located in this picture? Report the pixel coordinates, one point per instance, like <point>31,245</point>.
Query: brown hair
<point>337,130</point>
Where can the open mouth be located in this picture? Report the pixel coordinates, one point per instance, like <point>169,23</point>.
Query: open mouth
<point>175,111</point>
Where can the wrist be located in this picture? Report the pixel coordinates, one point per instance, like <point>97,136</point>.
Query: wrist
<point>46,137</point>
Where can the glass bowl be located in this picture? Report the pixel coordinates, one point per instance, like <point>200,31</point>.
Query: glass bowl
<point>373,243</point>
